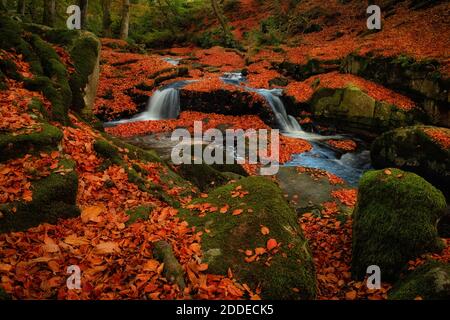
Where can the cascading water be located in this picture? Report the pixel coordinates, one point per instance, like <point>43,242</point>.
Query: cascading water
<point>349,166</point>
<point>163,104</point>
<point>286,123</point>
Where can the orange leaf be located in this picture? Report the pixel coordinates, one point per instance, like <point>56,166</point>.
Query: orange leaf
<point>265,230</point>
<point>271,244</point>
<point>237,212</point>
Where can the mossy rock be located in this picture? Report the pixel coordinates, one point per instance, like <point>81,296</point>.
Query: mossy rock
<point>202,175</point>
<point>352,108</point>
<point>54,197</point>
<point>292,267</point>
<point>411,149</point>
<point>141,212</point>
<point>14,146</point>
<point>394,221</point>
<point>107,151</point>
<point>85,53</point>
<point>431,281</point>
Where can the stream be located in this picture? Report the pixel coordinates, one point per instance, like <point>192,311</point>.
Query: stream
<point>165,104</point>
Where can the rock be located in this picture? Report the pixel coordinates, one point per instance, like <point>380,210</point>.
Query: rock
<point>290,274</point>
<point>394,221</point>
<point>412,149</point>
<point>351,108</point>
<point>420,79</point>
<point>430,281</point>
<point>173,271</point>
<point>46,138</point>
<point>54,197</point>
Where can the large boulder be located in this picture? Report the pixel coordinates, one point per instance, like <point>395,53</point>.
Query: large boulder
<point>394,221</point>
<point>421,149</point>
<point>430,281</point>
<point>352,108</point>
<point>286,272</point>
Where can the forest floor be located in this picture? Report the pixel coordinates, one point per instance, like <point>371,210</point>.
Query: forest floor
<point>116,257</point>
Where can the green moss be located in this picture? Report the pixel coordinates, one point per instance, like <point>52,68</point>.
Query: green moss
<point>141,212</point>
<point>202,175</point>
<point>54,197</point>
<point>37,107</point>
<point>107,151</point>
<point>290,268</point>
<point>14,146</point>
<point>430,281</point>
<point>410,148</point>
<point>56,71</point>
<point>84,53</point>
<point>394,221</point>
<point>51,91</point>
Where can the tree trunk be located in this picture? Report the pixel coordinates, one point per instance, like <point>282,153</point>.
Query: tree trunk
<point>125,25</point>
<point>49,13</point>
<point>220,17</point>
<point>84,10</point>
<point>21,5</point>
<point>106,21</point>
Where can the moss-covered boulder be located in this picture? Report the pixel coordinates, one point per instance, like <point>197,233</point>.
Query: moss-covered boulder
<point>283,273</point>
<point>54,197</point>
<point>394,221</point>
<point>203,176</point>
<point>351,108</point>
<point>416,149</point>
<point>420,79</point>
<point>44,138</point>
<point>430,281</point>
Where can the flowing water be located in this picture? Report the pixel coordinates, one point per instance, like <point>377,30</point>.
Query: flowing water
<point>165,104</point>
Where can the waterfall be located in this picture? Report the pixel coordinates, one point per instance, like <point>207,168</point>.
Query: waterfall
<point>286,123</point>
<point>164,104</point>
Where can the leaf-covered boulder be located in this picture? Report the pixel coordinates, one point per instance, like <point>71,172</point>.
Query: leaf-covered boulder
<point>424,150</point>
<point>394,221</point>
<point>430,281</point>
<point>257,237</point>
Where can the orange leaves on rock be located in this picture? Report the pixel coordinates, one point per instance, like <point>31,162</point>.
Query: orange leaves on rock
<point>346,196</point>
<point>440,135</point>
<point>271,244</point>
<point>237,212</point>
<point>264,230</point>
<point>344,145</point>
<point>238,192</point>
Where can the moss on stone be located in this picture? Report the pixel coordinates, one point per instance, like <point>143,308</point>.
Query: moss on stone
<point>55,70</point>
<point>411,149</point>
<point>430,281</point>
<point>44,139</point>
<point>141,212</point>
<point>228,235</point>
<point>84,51</point>
<point>54,197</point>
<point>394,221</point>
<point>203,176</point>
<point>107,151</point>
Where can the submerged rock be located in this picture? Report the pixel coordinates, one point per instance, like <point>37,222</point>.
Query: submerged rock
<point>430,281</point>
<point>394,221</point>
<point>234,238</point>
